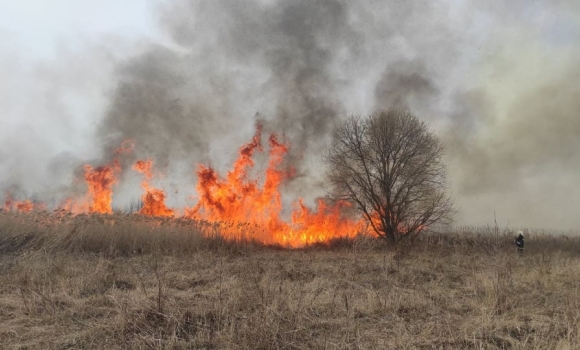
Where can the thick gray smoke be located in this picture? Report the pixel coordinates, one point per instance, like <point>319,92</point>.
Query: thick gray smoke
<point>403,85</point>
<point>234,60</point>
<point>496,79</point>
<point>297,65</point>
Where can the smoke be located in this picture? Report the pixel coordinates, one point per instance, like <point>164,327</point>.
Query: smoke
<point>233,61</point>
<point>47,112</point>
<point>405,84</point>
<point>520,151</point>
<point>496,80</point>
<point>296,67</point>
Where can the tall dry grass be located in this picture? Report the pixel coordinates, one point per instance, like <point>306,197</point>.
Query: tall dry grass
<point>119,282</point>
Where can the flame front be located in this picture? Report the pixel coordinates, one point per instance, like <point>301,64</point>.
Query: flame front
<point>238,199</point>
<point>240,206</point>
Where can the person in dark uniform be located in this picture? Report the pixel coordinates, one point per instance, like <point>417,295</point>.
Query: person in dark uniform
<point>520,243</point>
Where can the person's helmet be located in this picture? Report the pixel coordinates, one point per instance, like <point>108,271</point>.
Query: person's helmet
<point>521,233</point>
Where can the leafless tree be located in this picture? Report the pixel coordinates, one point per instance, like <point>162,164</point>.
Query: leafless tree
<point>389,165</point>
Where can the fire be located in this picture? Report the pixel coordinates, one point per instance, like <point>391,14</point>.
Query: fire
<point>100,183</point>
<point>25,206</point>
<point>70,205</point>
<point>236,198</point>
<point>401,228</point>
<point>241,206</point>
<point>153,198</point>
<point>325,223</point>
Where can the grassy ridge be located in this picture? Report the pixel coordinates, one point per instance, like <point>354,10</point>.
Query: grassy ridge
<point>117,282</point>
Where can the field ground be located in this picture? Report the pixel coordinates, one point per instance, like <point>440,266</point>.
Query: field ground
<point>123,282</point>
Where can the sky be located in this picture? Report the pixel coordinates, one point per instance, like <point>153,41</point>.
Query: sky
<point>38,29</point>
<point>496,81</point>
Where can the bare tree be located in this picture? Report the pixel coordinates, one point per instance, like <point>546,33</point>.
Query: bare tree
<point>390,166</point>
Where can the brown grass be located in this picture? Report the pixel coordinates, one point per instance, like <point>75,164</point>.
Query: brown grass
<point>118,282</point>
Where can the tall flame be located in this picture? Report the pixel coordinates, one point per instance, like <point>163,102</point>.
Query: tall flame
<point>236,198</point>
<point>153,198</point>
<point>100,183</point>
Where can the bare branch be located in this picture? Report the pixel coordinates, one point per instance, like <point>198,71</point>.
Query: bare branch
<point>389,165</point>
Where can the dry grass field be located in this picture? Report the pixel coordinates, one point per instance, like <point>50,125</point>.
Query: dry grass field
<point>122,282</point>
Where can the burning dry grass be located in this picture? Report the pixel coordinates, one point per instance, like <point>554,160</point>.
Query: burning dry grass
<point>120,282</point>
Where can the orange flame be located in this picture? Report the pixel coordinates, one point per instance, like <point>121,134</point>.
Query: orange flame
<point>100,183</point>
<point>239,199</point>
<point>153,198</point>
<point>25,206</point>
<point>401,228</point>
<point>71,206</point>
<point>241,206</point>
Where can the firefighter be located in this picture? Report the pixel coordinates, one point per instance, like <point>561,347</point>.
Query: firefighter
<point>519,242</point>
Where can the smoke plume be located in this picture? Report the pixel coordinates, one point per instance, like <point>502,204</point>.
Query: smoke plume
<point>497,80</point>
